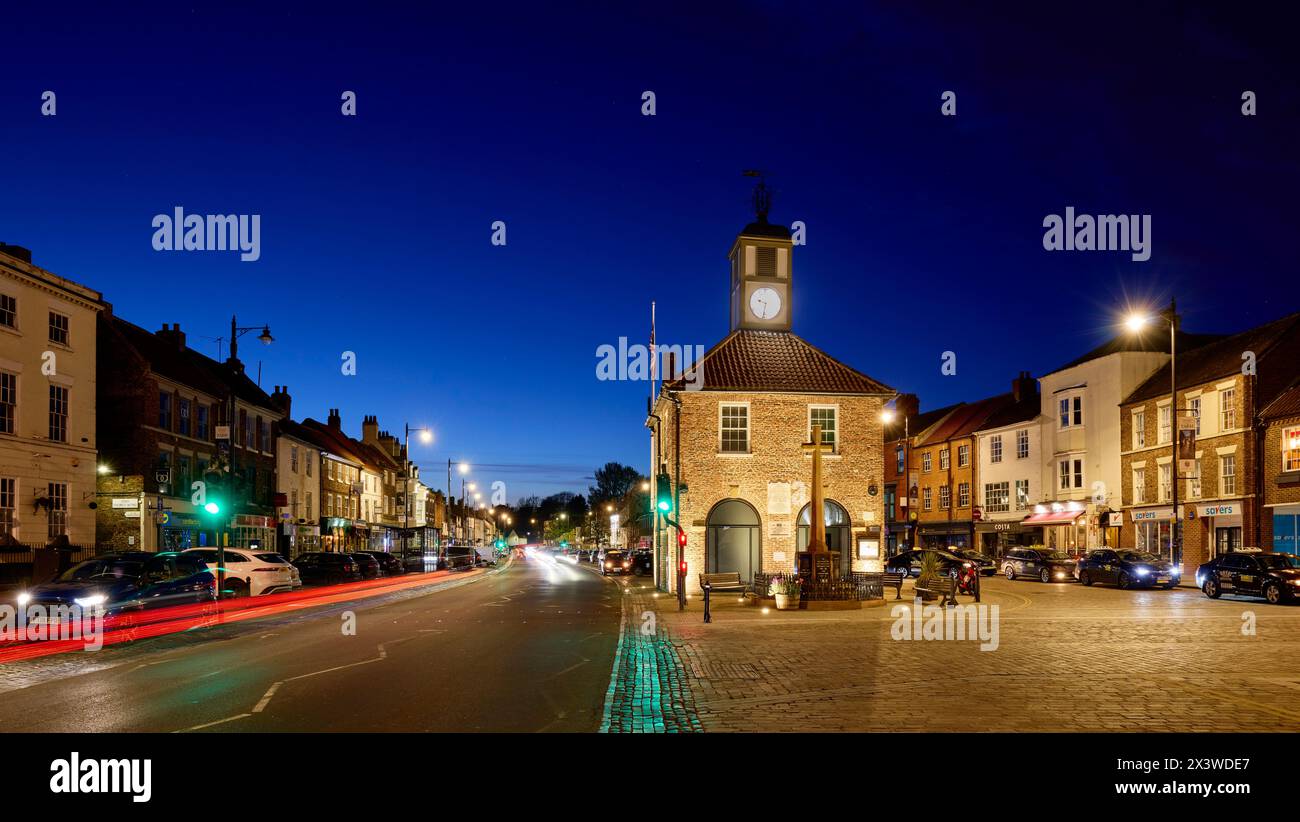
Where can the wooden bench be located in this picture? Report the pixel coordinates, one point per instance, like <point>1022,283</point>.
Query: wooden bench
<point>945,586</point>
<point>723,582</point>
<point>896,580</point>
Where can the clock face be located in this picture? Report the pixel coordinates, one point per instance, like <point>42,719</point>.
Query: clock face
<point>765,303</point>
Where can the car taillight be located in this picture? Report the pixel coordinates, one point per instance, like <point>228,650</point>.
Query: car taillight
<point>349,567</point>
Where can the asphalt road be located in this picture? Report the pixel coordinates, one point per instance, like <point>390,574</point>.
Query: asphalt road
<point>529,648</point>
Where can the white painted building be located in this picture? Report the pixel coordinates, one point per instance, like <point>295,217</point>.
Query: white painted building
<point>1009,449</point>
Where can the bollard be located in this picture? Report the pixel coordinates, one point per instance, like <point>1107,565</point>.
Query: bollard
<point>707,616</point>
<point>977,584</point>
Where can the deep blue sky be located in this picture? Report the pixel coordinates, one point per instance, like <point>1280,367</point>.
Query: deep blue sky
<point>924,232</point>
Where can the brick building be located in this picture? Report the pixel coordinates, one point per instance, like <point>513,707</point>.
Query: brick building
<point>731,429</point>
<point>1221,499</point>
<point>902,469</point>
<point>1280,473</point>
<point>341,470</point>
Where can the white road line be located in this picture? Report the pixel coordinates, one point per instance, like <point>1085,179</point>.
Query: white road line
<point>210,724</point>
<point>266,698</point>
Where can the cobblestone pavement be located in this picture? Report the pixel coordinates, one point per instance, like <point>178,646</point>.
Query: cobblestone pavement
<point>648,691</point>
<point>1068,658</point>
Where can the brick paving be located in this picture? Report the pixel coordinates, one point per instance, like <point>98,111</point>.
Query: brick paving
<point>1069,659</point>
<point>649,691</point>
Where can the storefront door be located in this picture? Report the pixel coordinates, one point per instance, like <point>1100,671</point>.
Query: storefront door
<point>1227,539</point>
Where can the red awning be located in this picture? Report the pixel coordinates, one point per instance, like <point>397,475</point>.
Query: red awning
<point>1052,518</point>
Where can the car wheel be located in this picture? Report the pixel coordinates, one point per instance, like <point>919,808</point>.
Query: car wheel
<point>1085,578</point>
<point>1009,571</point>
<point>1169,586</point>
<point>1273,593</point>
<point>1124,581</point>
<point>236,588</point>
<point>1211,588</point>
<point>1044,576</point>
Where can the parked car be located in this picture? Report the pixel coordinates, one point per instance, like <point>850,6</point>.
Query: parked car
<point>986,564</point>
<point>370,567</point>
<point>460,557</point>
<point>908,563</point>
<point>616,562</point>
<point>327,567</point>
<point>1272,576</point>
<point>643,563</point>
<point>420,561</point>
<point>390,565</point>
<point>251,573</point>
<point>1126,568</point>
<point>128,581</point>
<point>1042,564</point>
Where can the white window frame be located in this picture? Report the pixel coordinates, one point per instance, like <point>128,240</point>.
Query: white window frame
<point>1022,444</point>
<point>749,442</point>
<point>995,448</point>
<point>945,497</point>
<point>997,497</point>
<point>1164,423</point>
<point>1290,456</point>
<point>1022,499</point>
<point>945,459</point>
<point>1073,411</point>
<point>963,456</point>
<point>926,462</point>
<point>835,432</point>
<point>1227,478</point>
<point>1139,485</point>
<point>1227,409</point>
<point>1164,481</point>
<point>1139,425</point>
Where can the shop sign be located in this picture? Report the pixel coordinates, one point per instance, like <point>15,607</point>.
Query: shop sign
<point>1226,510</point>
<point>1152,514</point>
<point>126,502</point>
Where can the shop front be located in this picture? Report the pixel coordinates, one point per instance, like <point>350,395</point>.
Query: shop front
<point>944,534</point>
<point>1153,530</point>
<point>298,538</point>
<point>1286,528</point>
<point>334,533</point>
<point>1220,526</point>
<point>994,538</point>
<point>1060,527</point>
<point>253,532</point>
<point>181,531</point>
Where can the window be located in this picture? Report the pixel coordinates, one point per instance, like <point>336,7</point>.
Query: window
<point>165,410</point>
<point>181,481</point>
<point>8,311</point>
<point>266,435</point>
<point>1139,429</point>
<point>735,429</point>
<point>943,459</point>
<point>1022,494</point>
<point>1166,425</point>
<point>945,497</point>
<point>1291,449</point>
<point>1227,475</point>
<point>1194,406</point>
<point>201,429</point>
<point>1139,486</point>
<point>1071,411</point>
<point>1194,482</point>
<point>891,500</point>
<point>309,505</point>
<point>925,498</point>
<point>898,455</point>
<point>1228,409</point>
<point>8,506</point>
<point>183,416</point>
<point>1071,474</point>
<point>293,458</point>
<point>825,417</point>
<point>58,509</point>
<point>995,448</point>
<point>997,497</point>
<point>963,495</point>
<point>58,413</point>
<point>963,456</point>
<point>1166,488</point>
<point>58,328</point>
<point>1022,444</point>
<point>8,401</point>
<point>310,459</point>
<point>293,502</point>
<point>925,463</point>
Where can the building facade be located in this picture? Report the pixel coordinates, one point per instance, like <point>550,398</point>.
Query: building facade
<point>1008,448</point>
<point>1280,471</point>
<point>48,379</point>
<point>297,482</point>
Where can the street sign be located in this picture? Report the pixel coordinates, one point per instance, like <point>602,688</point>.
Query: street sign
<point>1186,445</point>
<point>223,432</point>
<point>162,477</point>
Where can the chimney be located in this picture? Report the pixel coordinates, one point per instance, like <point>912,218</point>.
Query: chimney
<point>17,252</point>
<point>1024,387</point>
<point>334,421</point>
<point>281,400</point>
<point>172,335</point>
<point>907,405</point>
<point>370,429</point>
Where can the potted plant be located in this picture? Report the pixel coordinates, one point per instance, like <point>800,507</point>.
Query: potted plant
<point>786,590</point>
<point>931,568</point>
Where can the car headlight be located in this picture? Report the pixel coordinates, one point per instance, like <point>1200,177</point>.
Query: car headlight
<point>24,598</point>
<point>1141,571</point>
<point>91,601</point>
<point>1295,582</point>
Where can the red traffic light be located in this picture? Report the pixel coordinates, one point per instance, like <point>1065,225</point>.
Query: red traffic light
<point>683,568</point>
<point>681,538</point>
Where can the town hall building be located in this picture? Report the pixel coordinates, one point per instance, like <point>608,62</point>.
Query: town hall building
<point>730,434</point>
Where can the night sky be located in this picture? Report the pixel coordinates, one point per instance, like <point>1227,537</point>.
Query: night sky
<point>924,232</point>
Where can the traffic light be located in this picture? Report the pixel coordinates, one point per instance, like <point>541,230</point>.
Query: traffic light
<point>683,568</point>
<point>212,507</point>
<point>664,493</point>
<point>681,539</point>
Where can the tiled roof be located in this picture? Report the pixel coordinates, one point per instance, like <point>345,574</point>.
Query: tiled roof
<point>751,360</point>
<point>1012,412</point>
<point>1221,358</point>
<point>966,419</point>
<point>1151,341</point>
<point>917,423</point>
<point>1287,404</point>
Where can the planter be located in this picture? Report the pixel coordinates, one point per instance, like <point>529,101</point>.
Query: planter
<point>787,602</point>
<point>925,594</point>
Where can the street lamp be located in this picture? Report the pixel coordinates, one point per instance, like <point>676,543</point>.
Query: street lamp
<point>426,437</point>
<point>1135,322</point>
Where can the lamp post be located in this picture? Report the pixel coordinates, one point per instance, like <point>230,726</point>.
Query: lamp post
<point>1136,322</point>
<point>426,437</point>
<point>236,331</point>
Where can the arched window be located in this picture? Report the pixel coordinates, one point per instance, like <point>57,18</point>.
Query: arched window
<point>734,539</point>
<point>839,531</point>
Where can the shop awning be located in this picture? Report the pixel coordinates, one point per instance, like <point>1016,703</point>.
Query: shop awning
<point>1052,518</point>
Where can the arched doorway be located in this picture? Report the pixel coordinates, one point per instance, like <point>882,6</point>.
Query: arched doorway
<point>839,531</point>
<point>733,539</point>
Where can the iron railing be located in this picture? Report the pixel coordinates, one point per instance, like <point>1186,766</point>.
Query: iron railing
<point>855,585</point>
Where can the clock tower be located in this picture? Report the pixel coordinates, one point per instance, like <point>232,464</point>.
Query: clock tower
<point>760,271</point>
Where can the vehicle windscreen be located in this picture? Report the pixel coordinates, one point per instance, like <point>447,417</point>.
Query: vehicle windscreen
<point>1277,561</point>
<point>1138,556</point>
<point>1055,555</point>
<point>102,569</point>
<point>274,558</point>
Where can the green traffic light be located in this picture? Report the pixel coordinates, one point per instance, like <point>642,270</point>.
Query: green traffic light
<point>212,508</point>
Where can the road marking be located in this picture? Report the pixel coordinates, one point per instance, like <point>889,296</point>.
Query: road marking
<point>266,698</point>
<point>210,724</point>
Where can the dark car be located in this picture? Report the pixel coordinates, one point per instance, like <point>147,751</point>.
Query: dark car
<point>1274,577</point>
<point>643,563</point>
<point>1042,564</point>
<point>128,581</point>
<point>460,557</point>
<point>420,561</point>
<point>327,567</point>
<point>908,563</point>
<point>616,562</point>
<point>986,564</point>
<point>1127,568</point>
<point>370,567</point>
<point>389,564</point>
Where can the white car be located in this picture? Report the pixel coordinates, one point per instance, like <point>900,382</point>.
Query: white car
<point>253,573</point>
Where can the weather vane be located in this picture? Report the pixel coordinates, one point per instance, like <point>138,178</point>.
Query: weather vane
<point>762,194</point>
